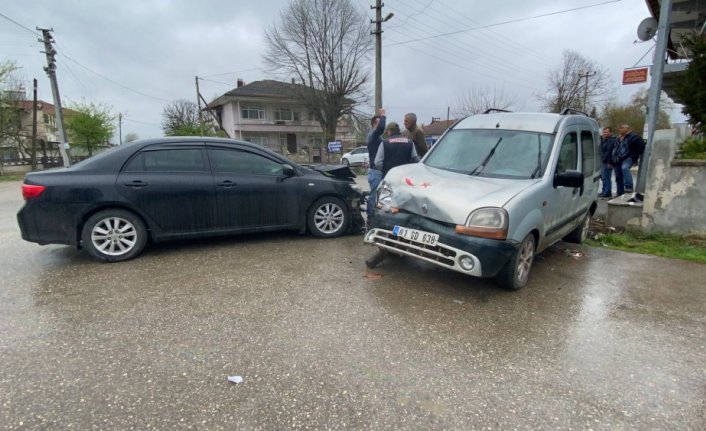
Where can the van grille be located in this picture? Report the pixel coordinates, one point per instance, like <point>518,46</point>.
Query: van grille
<point>438,253</point>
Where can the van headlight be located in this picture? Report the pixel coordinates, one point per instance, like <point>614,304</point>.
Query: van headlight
<point>486,223</point>
<point>384,195</point>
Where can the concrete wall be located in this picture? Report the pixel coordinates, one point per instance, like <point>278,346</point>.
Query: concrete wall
<point>675,198</point>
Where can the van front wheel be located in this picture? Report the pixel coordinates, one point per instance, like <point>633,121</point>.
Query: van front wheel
<point>515,273</point>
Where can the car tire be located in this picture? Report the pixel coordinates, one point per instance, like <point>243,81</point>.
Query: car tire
<point>346,162</point>
<point>114,235</point>
<point>579,235</point>
<point>515,273</point>
<point>328,217</point>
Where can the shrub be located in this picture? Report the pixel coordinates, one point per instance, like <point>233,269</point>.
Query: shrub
<point>693,148</point>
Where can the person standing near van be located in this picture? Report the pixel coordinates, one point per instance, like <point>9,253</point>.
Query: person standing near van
<point>415,134</point>
<point>373,140</point>
<point>395,151</point>
<point>608,143</point>
<point>628,150</point>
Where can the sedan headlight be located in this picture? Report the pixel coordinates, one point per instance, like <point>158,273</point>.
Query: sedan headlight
<point>486,223</point>
<point>384,195</point>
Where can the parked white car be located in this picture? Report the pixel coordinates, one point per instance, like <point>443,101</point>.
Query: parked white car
<point>357,157</point>
<point>495,190</point>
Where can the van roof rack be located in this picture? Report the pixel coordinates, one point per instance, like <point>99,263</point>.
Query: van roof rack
<point>566,111</point>
<point>489,110</point>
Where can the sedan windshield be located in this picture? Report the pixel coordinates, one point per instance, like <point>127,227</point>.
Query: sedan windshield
<point>492,153</point>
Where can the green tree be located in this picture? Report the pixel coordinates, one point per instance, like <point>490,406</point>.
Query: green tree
<point>11,93</point>
<point>634,113</point>
<point>691,88</point>
<point>89,126</point>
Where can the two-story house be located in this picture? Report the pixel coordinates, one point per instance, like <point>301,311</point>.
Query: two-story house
<point>16,147</point>
<point>269,113</point>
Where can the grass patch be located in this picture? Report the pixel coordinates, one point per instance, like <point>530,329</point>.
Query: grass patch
<point>658,244</point>
<point>11,178</point>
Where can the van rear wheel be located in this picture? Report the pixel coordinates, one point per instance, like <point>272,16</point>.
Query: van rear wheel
<point>515,273</point>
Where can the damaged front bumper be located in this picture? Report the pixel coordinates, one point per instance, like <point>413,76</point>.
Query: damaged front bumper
<point>479,257</point>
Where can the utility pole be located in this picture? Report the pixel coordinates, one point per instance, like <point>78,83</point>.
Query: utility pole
<point>51,72</point>
<point>585,88</point>
<point>378,50</point>
<point>655,91</point>
<point>34,126</point>
<point>198,101</point>
<point>120,127</point>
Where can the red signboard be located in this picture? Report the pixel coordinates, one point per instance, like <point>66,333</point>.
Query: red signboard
<point>635,76</point>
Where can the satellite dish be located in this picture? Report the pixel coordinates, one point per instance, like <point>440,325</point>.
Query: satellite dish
<point>647,29</point>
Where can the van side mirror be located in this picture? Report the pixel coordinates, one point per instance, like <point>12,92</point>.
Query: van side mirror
<point>568,179</point>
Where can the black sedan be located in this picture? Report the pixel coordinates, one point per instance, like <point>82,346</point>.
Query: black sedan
<point>174,188</point>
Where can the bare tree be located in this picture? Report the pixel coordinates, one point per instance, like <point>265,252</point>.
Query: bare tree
<point>181,118</point>
<point>130,137</point>
<point>579,83</point>
<point>324,45</point>
<point>476,101</point>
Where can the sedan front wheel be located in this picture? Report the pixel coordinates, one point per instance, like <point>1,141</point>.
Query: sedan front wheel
<point>328,217</point>
<point>114,235</point>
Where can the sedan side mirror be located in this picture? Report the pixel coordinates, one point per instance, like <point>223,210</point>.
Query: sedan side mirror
<point>568,179</point>
<point>288,170</point>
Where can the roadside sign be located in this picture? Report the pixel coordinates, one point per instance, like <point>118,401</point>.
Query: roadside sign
<point>334,147</point>
<point>635,76</point>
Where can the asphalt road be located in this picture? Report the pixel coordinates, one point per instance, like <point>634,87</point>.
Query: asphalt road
<point>599,339</point>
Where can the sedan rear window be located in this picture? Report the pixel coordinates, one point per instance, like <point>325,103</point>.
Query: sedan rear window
<point>492,153</point>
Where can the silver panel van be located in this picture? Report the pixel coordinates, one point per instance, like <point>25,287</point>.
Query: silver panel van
<point>496,189</point>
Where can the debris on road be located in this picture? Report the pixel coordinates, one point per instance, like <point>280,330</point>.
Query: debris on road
<point>235,379</point>
<point>373,275</point>
<point>575,254</point>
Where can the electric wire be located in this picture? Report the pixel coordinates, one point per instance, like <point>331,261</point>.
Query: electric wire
<point>507,22</point>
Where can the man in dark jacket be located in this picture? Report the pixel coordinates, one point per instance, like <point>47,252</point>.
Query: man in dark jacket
<point>395,151</point>
<point>608,142</point>
<point>628,150</point>
<point>377,127</point>
<point>415,134</point>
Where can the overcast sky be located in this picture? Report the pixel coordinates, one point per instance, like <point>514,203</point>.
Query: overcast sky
<point>136,56</point>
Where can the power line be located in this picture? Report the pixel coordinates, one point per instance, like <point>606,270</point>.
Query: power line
<point>506,22</point>
<point>231,73</point>
<point>17,23</point>
<point>411,16</point>
<point>201,78</point>
<point>115,82</point>
<point>125,118</point>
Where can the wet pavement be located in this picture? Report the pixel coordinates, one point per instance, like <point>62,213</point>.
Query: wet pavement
<point>599,339</point>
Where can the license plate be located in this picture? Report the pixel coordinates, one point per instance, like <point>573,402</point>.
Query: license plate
<point>416,235</point>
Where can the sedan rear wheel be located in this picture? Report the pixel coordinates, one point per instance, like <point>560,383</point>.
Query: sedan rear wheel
<point>114,235</point>
<point>515,274</point>
<point>328,217</point>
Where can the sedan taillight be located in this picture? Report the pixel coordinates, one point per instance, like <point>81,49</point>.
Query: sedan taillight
<point>30,191</point>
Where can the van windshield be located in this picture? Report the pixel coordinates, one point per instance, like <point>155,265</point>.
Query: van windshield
<point>492,153</point>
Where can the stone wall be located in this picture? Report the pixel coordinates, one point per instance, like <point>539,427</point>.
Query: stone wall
<point>675,198</point>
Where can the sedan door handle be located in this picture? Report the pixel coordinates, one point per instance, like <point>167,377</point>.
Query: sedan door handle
<point>227,184</point>
<point>137,184</point>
